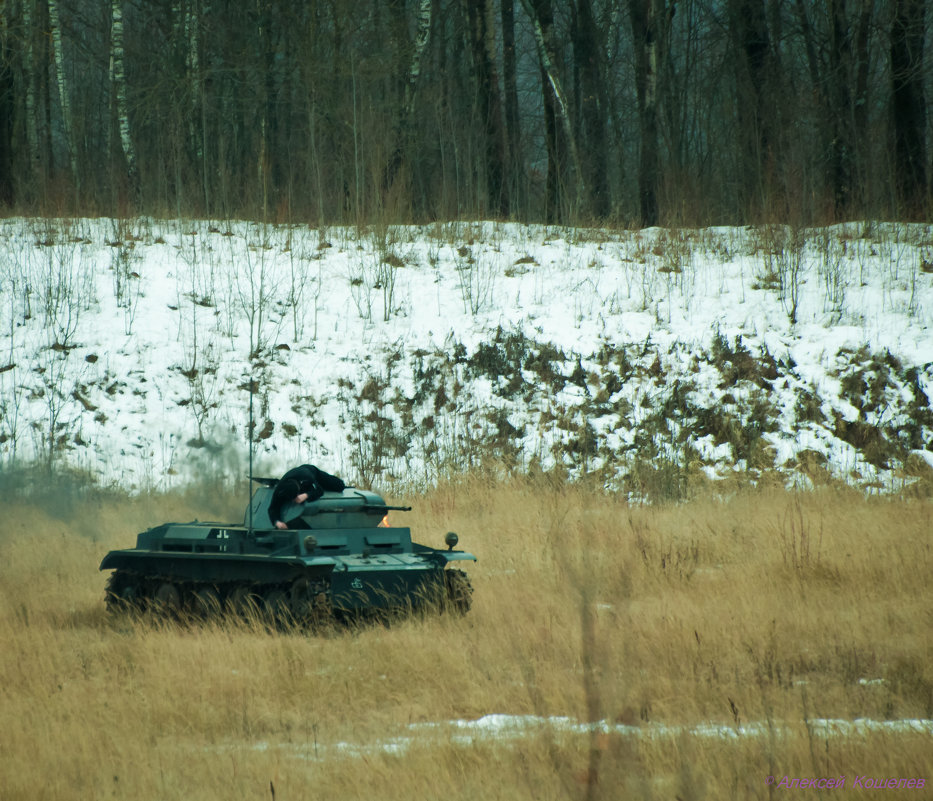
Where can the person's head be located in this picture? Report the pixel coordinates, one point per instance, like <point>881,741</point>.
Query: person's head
<point>290,488</point>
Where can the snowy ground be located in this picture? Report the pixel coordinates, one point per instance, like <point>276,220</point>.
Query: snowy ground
<point>506,729</point>
<point>128,348</point>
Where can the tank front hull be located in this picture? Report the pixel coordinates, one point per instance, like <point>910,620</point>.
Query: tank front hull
<point>357,584</point>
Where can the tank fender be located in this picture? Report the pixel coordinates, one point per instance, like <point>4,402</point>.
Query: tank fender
<point>442,557</point>
<point>457,556</point>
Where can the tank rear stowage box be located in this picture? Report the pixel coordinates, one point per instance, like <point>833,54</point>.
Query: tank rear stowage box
<point>338,559</point>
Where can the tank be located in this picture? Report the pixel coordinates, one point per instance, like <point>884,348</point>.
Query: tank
<point>338,560</point>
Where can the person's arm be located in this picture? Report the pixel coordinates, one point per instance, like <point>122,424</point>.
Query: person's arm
<point>275,508</point>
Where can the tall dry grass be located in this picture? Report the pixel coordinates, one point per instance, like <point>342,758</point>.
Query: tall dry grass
<point>772,610</point>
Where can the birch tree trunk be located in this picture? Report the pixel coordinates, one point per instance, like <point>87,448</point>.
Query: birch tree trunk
<point>402,128</point>
<point>539,12</point>
<point>29,81</point>
<point>422,36</point>
<point>118,90</point>
<point>7,90</point>
<point>61,82</point>
<point>513,157</point>
<point>197,121</point>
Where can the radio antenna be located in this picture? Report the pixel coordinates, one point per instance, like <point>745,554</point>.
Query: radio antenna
<point>249,490</point>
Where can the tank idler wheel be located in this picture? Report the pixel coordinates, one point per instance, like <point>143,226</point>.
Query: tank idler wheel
<point>459,591</point>
<point>276,606</point>
<point>122,594</point>
<point>243,602</point>
<point>206,603</point>
<point>167,599</point>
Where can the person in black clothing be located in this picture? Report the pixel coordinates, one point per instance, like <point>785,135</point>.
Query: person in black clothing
<point>298,485</point>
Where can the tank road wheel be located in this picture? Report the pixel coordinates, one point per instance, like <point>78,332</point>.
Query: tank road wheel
<point>459,591</point>
<point>276,607</point>
<point>243,602</point>
<point>167,599</point>
<point>122,593</point>
<point>310,605</point>
<point>206,603</point>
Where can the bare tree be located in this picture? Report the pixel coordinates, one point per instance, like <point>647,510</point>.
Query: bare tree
<point>482,51</point>
<point>556,108</point>
<point>7,107</point>
<point>755,70</point>
<point>29,79</point>
<point>651,21</point>
<point>61,82</point>
<point>390,110</point>
<point>593,104</point>
<point>194,84</point>
<point>119,96</point>
<point>908,105</point>
<point>841,82</point>
<point>514,172</point>
<point>413,73</point>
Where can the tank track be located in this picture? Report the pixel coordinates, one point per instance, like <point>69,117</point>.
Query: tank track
<point>459,591</point>
<point>303,602</point>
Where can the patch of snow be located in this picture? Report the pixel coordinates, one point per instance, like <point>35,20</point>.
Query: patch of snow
<point>504,729</point>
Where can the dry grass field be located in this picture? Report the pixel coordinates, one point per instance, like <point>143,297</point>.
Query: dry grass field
<point>710,639</point>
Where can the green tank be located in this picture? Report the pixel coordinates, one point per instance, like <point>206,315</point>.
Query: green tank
<point>339,559</point>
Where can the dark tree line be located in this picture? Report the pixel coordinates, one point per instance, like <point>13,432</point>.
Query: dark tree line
<point>645,111</point>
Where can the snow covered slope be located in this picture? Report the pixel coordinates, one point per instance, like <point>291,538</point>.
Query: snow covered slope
<point>128,349</point>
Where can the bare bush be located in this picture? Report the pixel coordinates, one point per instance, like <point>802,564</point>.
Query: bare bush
<point>301,252</point>
<point>12,315</point>
<point>256,287</point>
<point>783,259</point>
<point>362,279</point>
<point>63,284</point>
<point>477,274</point>
<point>832,271</point>
<point>124,264</point>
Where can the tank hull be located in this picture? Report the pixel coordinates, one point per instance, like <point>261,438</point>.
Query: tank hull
<point>331,567</point>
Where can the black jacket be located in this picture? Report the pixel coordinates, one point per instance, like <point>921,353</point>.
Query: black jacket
<point>306,478</point>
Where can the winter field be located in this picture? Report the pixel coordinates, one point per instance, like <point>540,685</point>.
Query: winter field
<point>667,651</point>
<point>695,466</point>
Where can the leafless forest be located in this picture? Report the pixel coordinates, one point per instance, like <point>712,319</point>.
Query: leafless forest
<point>636,111</point>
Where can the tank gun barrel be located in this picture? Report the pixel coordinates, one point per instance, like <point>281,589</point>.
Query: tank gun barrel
<point>366,508</point>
